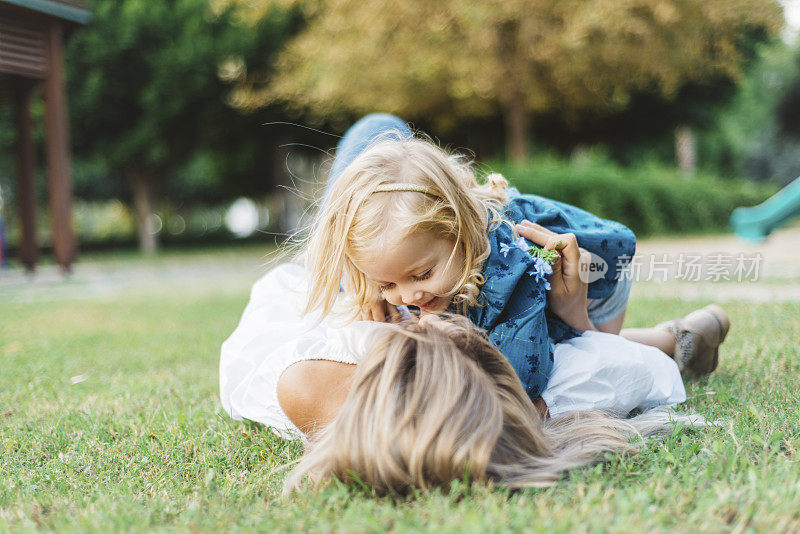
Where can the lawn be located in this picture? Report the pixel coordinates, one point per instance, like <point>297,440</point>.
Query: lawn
<point>110,420</point>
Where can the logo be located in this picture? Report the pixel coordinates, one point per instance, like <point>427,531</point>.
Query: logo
<point>592,267</point>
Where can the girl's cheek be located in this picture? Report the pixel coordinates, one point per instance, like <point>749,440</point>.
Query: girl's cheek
<point>431,288</point>
<point>443,286</point>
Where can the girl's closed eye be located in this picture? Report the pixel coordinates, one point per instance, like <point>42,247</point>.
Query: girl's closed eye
<point>424,276</point>
<point>417,278</point>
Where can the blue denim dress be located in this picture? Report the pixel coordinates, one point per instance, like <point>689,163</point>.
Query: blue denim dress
<point>513,308</point>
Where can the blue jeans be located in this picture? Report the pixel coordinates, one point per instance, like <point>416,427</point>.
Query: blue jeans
<point>602,311</point>
<point>359,137</point>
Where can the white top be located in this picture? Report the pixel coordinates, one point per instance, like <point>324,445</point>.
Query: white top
<point>593,371</point>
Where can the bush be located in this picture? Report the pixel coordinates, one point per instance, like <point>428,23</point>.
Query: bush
<point>649,199</point>
<point>106,224</point>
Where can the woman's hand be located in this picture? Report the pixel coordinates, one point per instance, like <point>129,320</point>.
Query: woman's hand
<point>567,289</point>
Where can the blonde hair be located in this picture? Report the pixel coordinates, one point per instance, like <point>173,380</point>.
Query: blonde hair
<point>428,407</point>
<point>446,199</point>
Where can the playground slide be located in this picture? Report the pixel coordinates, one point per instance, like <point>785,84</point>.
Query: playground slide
<point>758,222</point>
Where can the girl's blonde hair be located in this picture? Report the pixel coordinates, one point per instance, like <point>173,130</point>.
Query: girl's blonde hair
<point>357,220</point>
<point>428,407</point>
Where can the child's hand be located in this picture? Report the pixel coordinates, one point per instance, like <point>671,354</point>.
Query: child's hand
<point>567,290</point>
<point>381,311</point>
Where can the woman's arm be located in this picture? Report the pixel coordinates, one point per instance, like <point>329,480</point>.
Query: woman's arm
<point>311,392</point>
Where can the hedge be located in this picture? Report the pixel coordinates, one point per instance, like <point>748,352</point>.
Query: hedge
<point>649,199</point>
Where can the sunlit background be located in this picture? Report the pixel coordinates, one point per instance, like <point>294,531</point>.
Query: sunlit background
<point>203,122</point>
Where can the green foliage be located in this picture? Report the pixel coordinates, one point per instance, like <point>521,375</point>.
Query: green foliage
<point>550,256</point>
<point>649,199</point>
<point>745,137</point>
<point>146,97</point>
<point>450,60</point>
<point>8,181</point>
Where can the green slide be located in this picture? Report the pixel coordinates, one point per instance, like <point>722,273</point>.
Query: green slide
<point>758,222</point>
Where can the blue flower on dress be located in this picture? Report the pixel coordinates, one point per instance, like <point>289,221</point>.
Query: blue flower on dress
<point>519,243</point>
<point>541,269</point>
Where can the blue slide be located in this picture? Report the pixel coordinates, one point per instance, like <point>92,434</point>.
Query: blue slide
<point>758,222</point>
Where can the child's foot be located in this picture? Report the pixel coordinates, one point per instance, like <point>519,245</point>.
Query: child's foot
<point>697,338</point>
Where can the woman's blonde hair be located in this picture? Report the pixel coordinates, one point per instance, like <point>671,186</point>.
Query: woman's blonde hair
<point>447,200</point>
<point>428,407</point>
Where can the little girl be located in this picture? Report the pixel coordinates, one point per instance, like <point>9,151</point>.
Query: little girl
<point>406,224</point>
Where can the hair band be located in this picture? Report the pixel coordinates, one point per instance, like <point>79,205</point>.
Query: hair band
<point>404,187</point>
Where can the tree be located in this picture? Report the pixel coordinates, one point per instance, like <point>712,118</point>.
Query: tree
<point>454,58</point>
<point>745,137</point>
<point>147,101</point>
<point>788,109</point>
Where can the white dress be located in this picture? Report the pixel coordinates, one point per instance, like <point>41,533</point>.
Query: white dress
<point>593,371</point>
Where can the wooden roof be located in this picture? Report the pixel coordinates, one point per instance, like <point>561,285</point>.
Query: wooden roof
<point>63,9</point>
<point>24,28</point>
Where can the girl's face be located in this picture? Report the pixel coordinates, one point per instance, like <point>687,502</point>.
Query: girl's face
<point>414,271</point>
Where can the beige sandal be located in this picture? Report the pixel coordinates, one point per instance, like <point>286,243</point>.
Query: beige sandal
<point>698,337</point>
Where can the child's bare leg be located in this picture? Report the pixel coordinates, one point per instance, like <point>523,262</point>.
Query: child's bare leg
<point>613,326</point>
<point>655,337</point>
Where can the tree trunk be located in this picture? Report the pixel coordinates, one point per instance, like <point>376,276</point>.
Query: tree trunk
<point>515,116</point>
<point>143,206</point>
<point>291,192</point>
<point>515,119</point>
<point>685,149</point>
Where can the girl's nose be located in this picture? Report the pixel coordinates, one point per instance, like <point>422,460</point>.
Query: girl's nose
<point>412,297</point>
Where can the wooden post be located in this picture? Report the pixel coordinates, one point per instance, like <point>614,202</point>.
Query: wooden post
<point>59,178</point>
<point>26,177</point>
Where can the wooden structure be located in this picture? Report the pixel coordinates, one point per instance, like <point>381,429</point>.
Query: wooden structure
<point>32,34</point>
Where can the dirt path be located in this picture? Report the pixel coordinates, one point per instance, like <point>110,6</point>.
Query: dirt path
<point>726,267</point>
<point>780,253</point>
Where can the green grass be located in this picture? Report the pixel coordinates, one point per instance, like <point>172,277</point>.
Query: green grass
<point>141,441</point>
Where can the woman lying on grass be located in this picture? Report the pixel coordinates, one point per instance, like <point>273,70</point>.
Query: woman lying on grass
<point>420,405</point>
<point>436,402</point>
<point>408,225</point>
